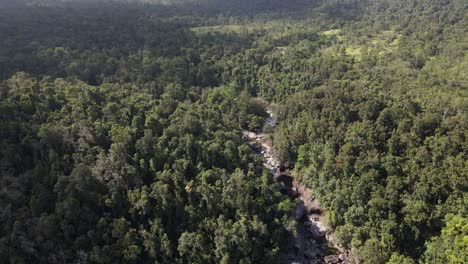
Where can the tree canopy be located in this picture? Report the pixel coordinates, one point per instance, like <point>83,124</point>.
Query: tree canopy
<point>121,128</point>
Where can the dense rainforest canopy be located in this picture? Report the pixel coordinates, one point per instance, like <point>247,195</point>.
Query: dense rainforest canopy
<point>121,128</point>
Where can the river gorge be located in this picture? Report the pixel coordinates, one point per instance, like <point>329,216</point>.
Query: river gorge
<point>314,241</point>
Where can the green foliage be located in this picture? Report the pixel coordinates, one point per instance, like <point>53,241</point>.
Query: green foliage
<point>101,185</point>
<point>452,245</point>
<point>399,259</point>
<point>121,124</point>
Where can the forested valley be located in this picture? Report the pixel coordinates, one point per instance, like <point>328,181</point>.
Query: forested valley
<point>121,128</point>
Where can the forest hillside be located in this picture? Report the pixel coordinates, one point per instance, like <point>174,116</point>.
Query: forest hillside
<point>121,128</point>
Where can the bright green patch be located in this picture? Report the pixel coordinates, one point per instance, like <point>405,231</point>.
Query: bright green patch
<point>383,43</point>
<point>223,29</point>
<point>334,32</point>
<point>354,52</point>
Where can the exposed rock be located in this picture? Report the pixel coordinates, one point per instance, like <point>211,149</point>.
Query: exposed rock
<point>315,232</point>
<point>311,243</point>
<point>332,259</point>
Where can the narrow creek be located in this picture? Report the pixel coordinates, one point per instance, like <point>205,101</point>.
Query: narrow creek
<point>314,241</point>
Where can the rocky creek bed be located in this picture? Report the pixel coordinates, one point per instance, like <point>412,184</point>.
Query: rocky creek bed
<point>314,242</point>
